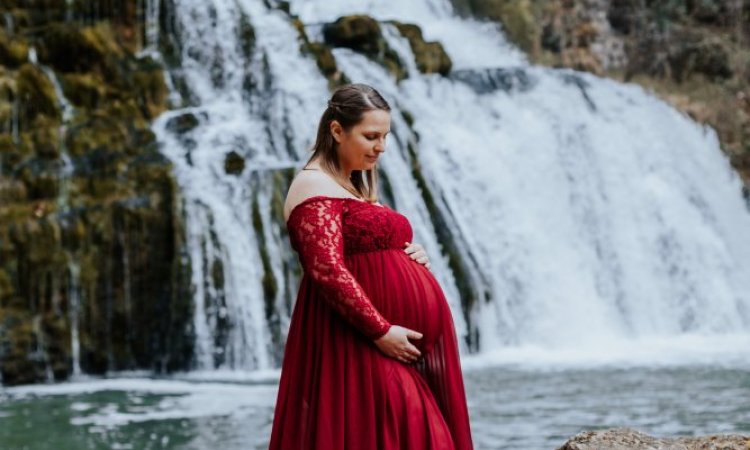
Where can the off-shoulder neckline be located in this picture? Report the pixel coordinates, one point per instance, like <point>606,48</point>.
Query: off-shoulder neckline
<point>321,197</point>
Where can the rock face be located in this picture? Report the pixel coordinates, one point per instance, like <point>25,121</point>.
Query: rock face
<point>628,439</point>
<point>91,274</point>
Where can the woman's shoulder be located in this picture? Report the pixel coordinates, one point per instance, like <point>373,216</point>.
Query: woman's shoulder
<point>308,184</point>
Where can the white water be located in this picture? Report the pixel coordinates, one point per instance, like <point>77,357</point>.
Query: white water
<point>597,219</point>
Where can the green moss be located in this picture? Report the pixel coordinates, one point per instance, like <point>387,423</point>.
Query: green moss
<point>150,87</point>
<point>324,58</point>
<point>521,24</point>
<point>18,342</point>
<point>83,89</point>
<point>13,53</point>
<point>41,178</point>
<point>521,19</point>
<point>46,139</point>
<point>11,191</point>
<point>362,34</point>
<point>282,179</point>
<point>36,93</point>
<point>359,32</point>
<point>93,47</point>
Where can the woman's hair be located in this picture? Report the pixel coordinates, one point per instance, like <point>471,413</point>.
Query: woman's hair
<point>347,106</point>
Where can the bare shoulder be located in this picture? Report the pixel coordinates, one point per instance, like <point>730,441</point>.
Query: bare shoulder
<point>311,183</point>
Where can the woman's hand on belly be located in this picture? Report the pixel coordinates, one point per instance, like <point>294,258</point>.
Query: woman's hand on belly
<point>395,343</point>
<point>417,253</point>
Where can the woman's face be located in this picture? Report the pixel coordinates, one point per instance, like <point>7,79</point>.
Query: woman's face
<point>360,147</point>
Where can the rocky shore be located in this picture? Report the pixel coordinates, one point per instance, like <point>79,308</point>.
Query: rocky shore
<point>629,439</point>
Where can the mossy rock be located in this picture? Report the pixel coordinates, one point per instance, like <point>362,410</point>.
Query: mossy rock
<point>36,93</point>
<point>150,87</point>
<point>69,48</point>
<point>119,206</point>
<point>234,164</point>
<point>41,176</point>
<point>182,123</point>
<point>324,58</point>
<point>85,90</point>
<point>97,134</point>
<point>11,190</point>
<point>359,32</point>
<point>430,56</point>
<point>13,52</point>
<point>363,34</point>
<point>46,139</point>
<point>17,345</point>
<point>519,18</point>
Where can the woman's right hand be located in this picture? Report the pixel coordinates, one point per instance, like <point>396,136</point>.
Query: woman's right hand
<point>395,343</point>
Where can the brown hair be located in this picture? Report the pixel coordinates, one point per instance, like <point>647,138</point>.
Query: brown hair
<point>347,106</point>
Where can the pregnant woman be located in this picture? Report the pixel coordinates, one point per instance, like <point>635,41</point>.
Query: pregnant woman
<point>371,360</point>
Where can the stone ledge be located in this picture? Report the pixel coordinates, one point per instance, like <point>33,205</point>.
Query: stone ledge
<point>629,439</point>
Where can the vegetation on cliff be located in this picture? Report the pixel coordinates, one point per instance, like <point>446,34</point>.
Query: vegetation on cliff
<point>90,246</point>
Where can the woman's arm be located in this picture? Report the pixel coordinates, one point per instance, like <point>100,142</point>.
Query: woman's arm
<point>316,231</point>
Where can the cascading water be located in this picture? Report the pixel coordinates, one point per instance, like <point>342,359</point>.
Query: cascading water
<point>560,210</point>
<point>65,173</point>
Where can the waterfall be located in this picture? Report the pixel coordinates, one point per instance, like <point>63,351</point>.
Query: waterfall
<point>65,174</point>
<point>74,295</point>
<point>559,209</point>
<point>152,24</point>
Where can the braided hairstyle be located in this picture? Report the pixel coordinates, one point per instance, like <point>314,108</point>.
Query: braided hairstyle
<point>347,106</point>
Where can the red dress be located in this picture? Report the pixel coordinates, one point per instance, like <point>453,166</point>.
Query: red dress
<point>337,390</point>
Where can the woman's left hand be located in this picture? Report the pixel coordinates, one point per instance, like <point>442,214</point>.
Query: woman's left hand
<point>417,253</point>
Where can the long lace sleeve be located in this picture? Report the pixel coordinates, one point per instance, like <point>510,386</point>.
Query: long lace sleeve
<point>315,229</point>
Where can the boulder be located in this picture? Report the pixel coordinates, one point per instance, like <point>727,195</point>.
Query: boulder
<point>430,56</point>
<point>629,439</point>
<point>359,33</point>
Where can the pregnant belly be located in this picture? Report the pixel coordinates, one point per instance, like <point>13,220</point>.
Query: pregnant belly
<point>404,291</point>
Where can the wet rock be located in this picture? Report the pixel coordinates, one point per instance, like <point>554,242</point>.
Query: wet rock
<point>68,48</point>
<point>234,164</point>
<point>629,439</point>
<point>13,53</point>
<point>519,19</point>
<point>359,33</point>
<point>430,56</point>
<point>363,34</point>
<point>36,94</point>
<point>484,81</point>
<point>183,123</point>
<point>324,58</point>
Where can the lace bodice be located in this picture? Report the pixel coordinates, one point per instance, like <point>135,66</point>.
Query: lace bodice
<point>324,229</point>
